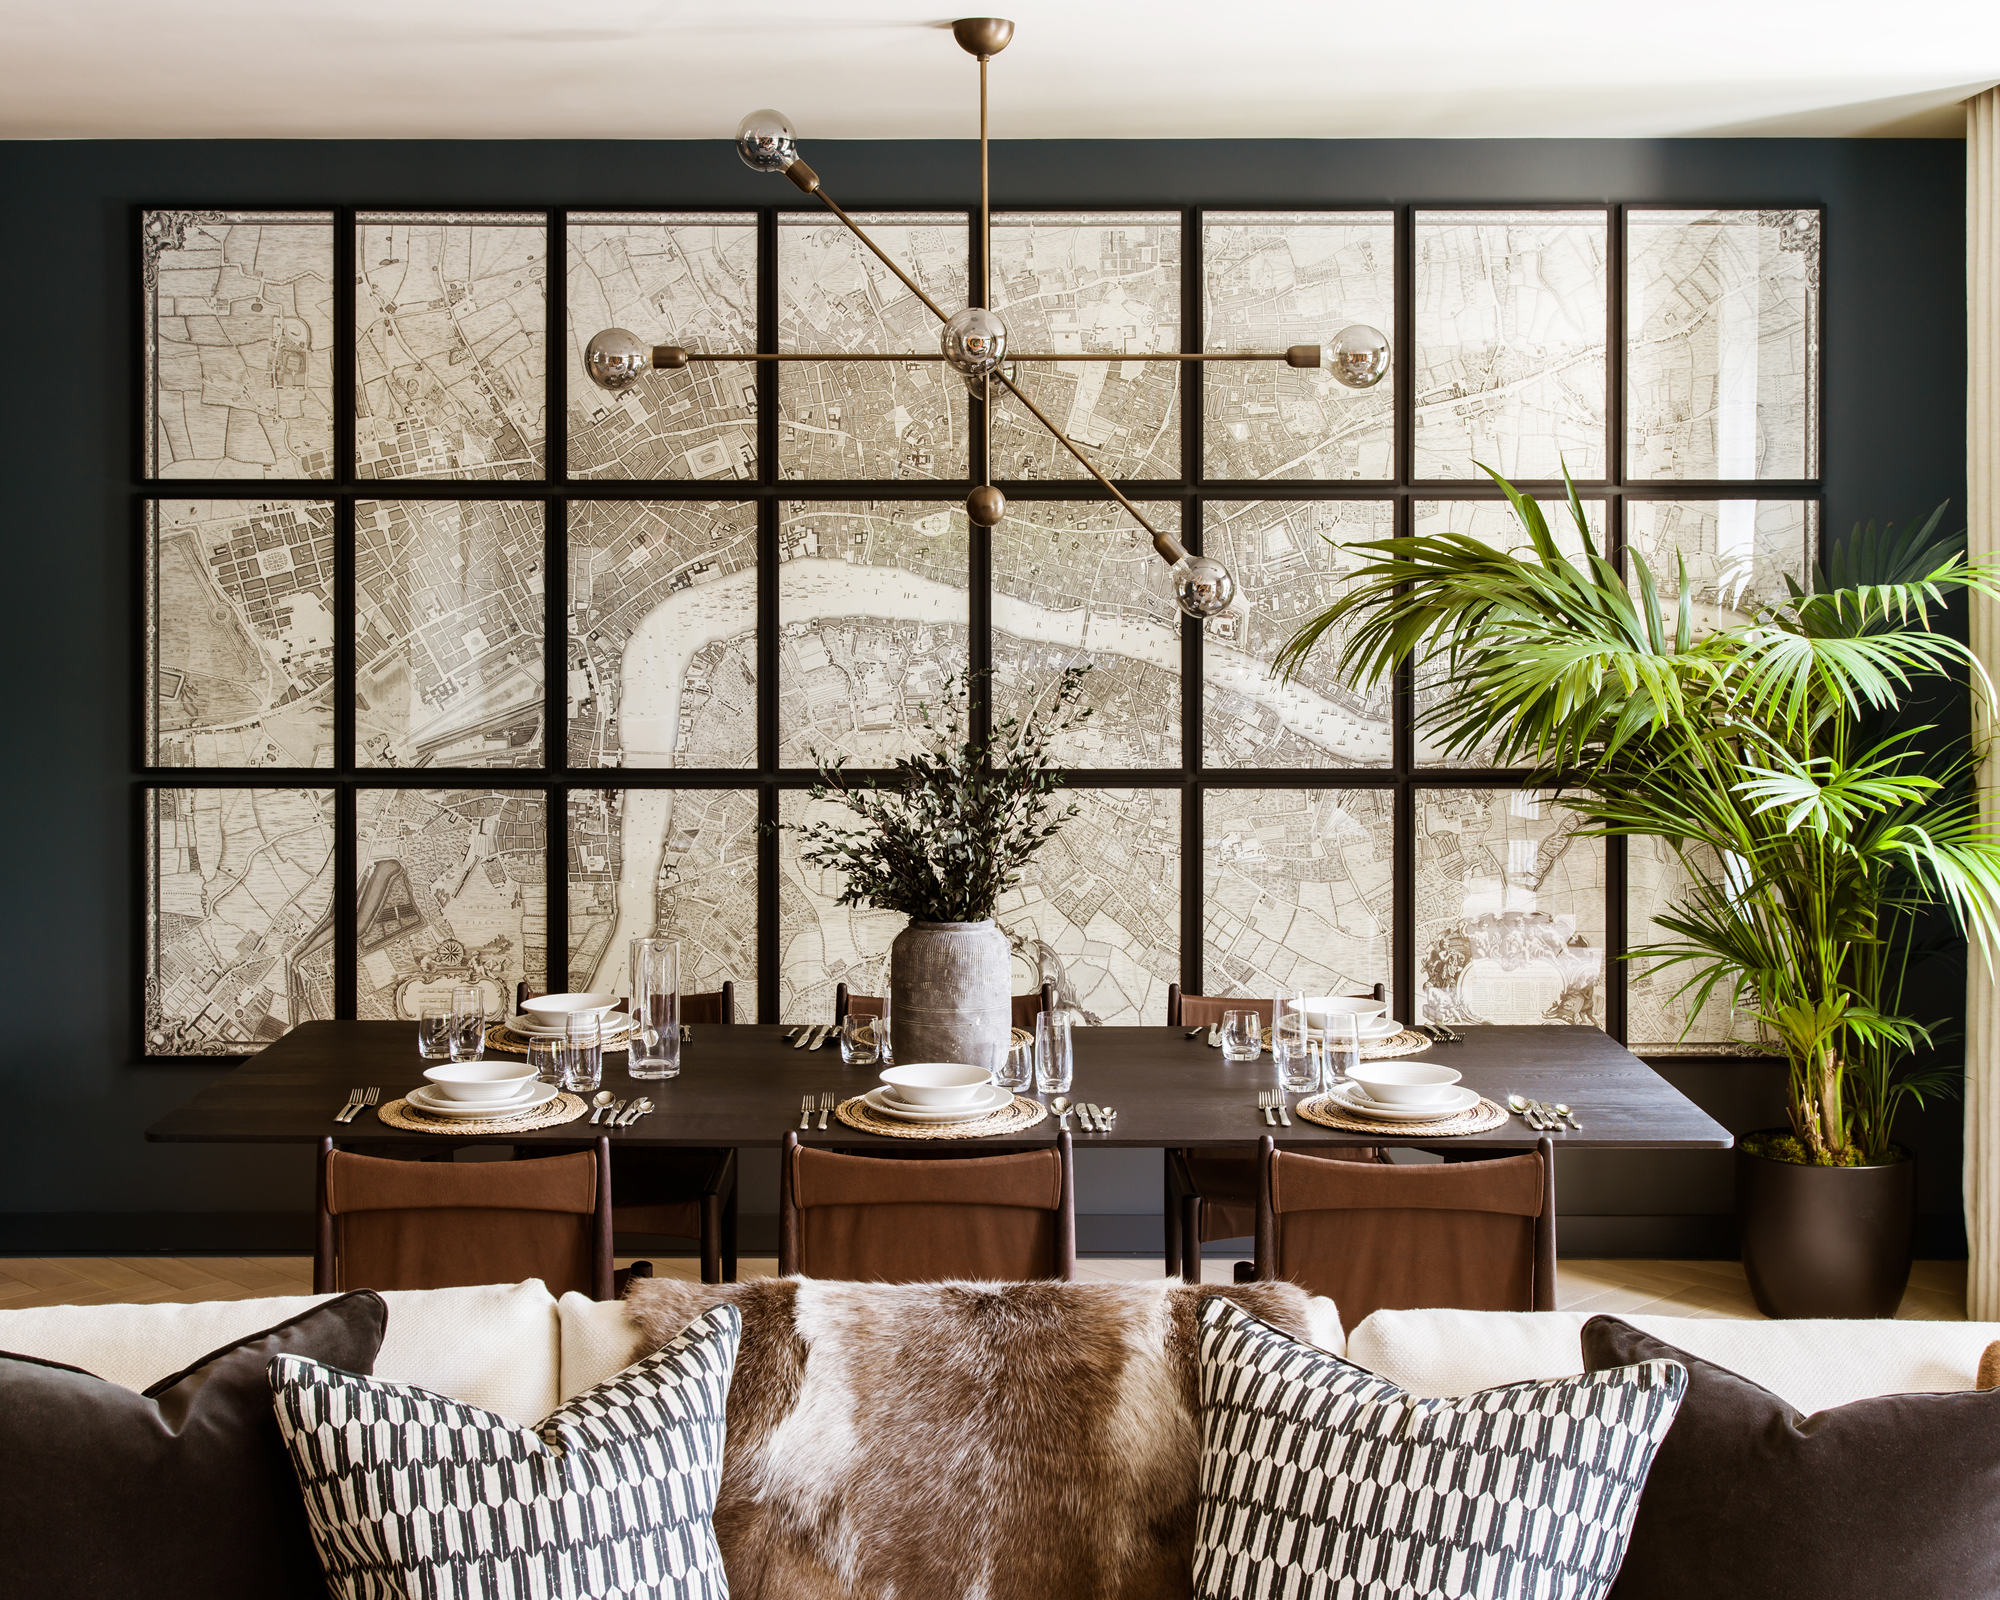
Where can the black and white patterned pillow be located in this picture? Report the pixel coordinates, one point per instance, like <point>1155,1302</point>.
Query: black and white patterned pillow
<point>1319,1479</point>
<point>414,1495</point>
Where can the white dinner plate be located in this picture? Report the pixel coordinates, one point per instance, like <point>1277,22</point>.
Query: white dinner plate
<point>991,1098</point>
<point>616,1024</point>
<point>1353,1098</point>
<point>433,1104</point>
<point>1380,1028</point>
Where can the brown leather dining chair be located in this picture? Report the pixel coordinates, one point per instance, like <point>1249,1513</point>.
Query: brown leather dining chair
<point>440,1225</point>
<point>1212,1194</point>
<point>1476,1235</point>
<point>1027,1007</point>
<point>885,1219</point>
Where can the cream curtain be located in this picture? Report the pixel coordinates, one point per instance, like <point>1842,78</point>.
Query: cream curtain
<point>1982,423</point>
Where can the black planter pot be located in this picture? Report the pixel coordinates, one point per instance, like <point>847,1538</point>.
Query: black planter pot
<point>1825,1241</point>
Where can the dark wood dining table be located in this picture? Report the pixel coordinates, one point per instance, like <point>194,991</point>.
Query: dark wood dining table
<point>741,1086</point>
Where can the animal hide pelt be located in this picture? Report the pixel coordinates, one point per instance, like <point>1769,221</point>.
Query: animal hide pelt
<point>1034,1441</point>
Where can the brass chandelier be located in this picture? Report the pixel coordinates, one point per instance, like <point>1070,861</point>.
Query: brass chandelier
<point>973,342</point>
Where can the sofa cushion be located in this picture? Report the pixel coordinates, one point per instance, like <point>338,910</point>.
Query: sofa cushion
<point>413,1494</point>
<point>598,1340</point>
<point>1893,1495</point>
<point>1028,1441</point>
<point>1812,1364</point>
<point>1318,1478</point>
<point>493,1346</point>
<point>181,1493</point>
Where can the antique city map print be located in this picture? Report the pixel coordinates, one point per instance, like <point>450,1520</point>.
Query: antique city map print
<point>821,943</point>
<point>671,278</point>
<point>1294,558</point>
<point>1510,330</point>
<point>662,640</point>
<point>1271,280</point>
<point>1076,583</point>
<point>1082,283</point>
<point>451,345</point>
<point>449,625</point>
<point>238,343</point>
<point>239,917</point>
<point>1722,344</point>
<point>668,863</point>
<point>1509,910</point>
<point>451,889</point>
<point>874,614</point>
<point>869,419</point>
<point>1738,553</point>
<point>239,633</point>
<point>1298,891</point>
<point>1656,1012</point>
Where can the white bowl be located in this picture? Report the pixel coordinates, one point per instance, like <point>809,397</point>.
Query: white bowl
<point>553,1008</point>
<point>937,1083</point>
<point>1359,1006</point>
<point>1403,1083</point>
<point>480,1080</point>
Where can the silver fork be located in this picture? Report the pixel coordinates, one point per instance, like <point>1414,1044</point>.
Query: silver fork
<point>368,1098</point>
<point>825,1107</point>
<point>353,1100</point>
<point>1264,1105</point>
<point>805,1113</point>
<point>1278,1102</point>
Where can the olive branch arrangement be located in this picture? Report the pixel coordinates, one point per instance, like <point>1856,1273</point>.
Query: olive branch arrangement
<point>948,831</point>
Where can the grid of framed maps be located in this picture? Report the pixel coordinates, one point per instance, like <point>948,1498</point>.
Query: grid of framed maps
<point>642,636</point>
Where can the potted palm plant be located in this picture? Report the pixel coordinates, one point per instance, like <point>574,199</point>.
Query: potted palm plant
<point>942,837</point>
<point>1820,823</point>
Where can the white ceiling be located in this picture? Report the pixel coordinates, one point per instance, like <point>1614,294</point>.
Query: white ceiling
<point>852,69</point>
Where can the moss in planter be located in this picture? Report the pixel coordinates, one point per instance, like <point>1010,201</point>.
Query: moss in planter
<point>1789,1147</point>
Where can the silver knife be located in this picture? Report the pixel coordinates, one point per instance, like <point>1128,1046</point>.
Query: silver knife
<point>639,1108</point>
<point>1083,1116</point>
<point>805,1037</point>
<point>1097,1116</point>
<point>1283,1116</point>
<point>825,1033</point>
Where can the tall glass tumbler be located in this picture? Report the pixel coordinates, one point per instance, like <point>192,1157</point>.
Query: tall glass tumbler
<point>583,1052</point>
<point>655,1048</point>
<point>1055,1059</point>
<point>468,1022</point>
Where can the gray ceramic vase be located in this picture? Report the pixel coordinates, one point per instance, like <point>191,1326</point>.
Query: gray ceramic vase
<point>950,993</point>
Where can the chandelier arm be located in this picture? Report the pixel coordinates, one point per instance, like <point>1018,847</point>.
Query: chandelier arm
<point>932,355</point>
<point>854,228</point>
<point>1170,549</point>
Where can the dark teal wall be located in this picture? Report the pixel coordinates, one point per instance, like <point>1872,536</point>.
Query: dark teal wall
<point>75,1172</point>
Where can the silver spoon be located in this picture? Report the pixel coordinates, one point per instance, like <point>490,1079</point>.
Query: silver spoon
<point>1107,1115</point>
<point>637,1110</point>
<point>1524,1109</point>
<point>1060,1106</point>
<point>599,1101</point>
<point>1564,1111</point>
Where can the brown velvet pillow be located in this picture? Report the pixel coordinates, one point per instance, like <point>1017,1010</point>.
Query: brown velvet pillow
<point>1897,1495</point>
<point>1989,1367</point>
<point>181,1493</point>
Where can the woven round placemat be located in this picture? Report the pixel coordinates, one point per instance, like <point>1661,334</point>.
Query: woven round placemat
<point>503,1038</point>
<point>1023,1113</point>
<point>1482,1118</point>
<point>1407,1043</point>
<point>566,1107</point>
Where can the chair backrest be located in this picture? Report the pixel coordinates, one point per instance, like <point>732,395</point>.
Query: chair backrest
<point>718,1005</point>
<point>1027,1007</point>
<point>879,1219</point>
<point>440,1225</point>
<point>1475,1235</point>
<point>1205,1010</point>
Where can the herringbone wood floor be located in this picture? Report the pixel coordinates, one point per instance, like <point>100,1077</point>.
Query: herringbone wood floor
<point>1664,1288</point>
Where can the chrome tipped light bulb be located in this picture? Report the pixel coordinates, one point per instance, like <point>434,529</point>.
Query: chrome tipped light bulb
<point>1358,357</point>
<point>616,358</point>
<point>1201,586</point>
<point>766,141</point>
<point>974,342</point>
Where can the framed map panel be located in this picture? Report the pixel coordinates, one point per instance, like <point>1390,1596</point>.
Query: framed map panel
<point>449,627</point>
<point>1074,583</point>
<point>451,887</point>
<point>1077,283</point>
<point>1738,553</point>
<point>1722,344</point>
<point>1491,522</point>
<point>1274,279</point>
<point>874,613</point>
<point>239,917</point>
<point>239,633</point>
<point>1510,326</point>
<point>821,943</point>
<point>662,634</point>
<point>1298,891</point>
<point>451,344</point>
<point>238,343</point>
<point>1294,558</point>
<point>1509,910</point>
<point>671,278</point>
<point>667,863</point>
<point>870,419</point>
<point>1657,1016</point>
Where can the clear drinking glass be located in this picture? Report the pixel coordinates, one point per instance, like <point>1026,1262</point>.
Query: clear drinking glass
<point>1290,1034</point>
<point>1017,1066</point>
<point>1301,1065</point>
<point>655,1046</point>
<point>434,1036</point>
<point>1055,1060</point>
<point>583,1053</point>
<point>468,1023</point>
<point>545,1056</point>
<point>1242,1035</point>
<point>857,1041</point>
<point>884,1056</point>
<point>1343,1048</point>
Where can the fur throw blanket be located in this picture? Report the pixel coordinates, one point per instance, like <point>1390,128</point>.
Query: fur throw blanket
<point>962,1441</point>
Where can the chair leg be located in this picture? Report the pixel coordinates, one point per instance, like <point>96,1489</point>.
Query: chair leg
<point>1170,1214</point>
<point>323,1223</point>
<point>711,1238</point>
<point>729,1232</point>
<point>1191,1238</point>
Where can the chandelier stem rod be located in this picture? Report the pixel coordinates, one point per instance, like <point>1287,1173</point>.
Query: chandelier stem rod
<point>1170,549</point>
<point>985,209</point>
<point>881,255</point>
